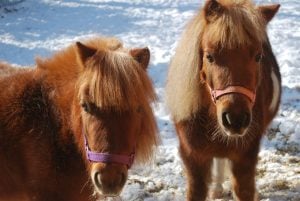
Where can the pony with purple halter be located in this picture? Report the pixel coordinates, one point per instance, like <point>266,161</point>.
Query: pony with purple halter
<point>75,123</point>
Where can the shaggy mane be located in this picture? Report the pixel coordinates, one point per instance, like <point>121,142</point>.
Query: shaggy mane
<point>110,79</point>
<point>240,24</point>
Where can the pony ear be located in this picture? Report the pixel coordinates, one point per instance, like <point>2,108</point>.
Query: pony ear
<point>269,11</point>
<point>212,8</point>
<point>84,52</point>
<point>141,55</point>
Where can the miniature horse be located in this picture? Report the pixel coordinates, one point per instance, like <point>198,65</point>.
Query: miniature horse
<point>73,124</point>
<point>223,89</point>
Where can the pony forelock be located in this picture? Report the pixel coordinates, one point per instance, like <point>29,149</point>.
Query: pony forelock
<point>239,24</point>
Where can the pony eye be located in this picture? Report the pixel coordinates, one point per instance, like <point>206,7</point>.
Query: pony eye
<point>258,57</point>
<point>210,58</point>
<point>86,107</point>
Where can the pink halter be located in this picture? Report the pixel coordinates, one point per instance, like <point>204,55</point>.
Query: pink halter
<point>216,93</point>
<point>106,157</point>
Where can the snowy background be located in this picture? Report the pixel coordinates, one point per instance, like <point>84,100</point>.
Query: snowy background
<point>29,28</point>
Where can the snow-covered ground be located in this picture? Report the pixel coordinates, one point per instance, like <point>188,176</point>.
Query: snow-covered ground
<point>32,28</point>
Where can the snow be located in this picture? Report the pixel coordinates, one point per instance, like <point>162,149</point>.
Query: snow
<point>32,28</point>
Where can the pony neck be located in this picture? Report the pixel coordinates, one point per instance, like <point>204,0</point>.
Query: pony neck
<point>61,69</point>
<point>60,74</point>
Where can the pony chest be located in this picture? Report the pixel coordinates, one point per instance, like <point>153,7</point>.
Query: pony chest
<point>203,137</point>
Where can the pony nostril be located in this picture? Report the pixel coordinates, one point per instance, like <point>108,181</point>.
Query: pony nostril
<point>226,119</point>
<point>97,180</point>
<point>236,121</point>
<point>246,120</point>
<point>123,179</point>
<point>120,180</point>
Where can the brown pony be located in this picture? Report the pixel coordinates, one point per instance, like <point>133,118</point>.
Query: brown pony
<point>223,89</point>
<point>72,125</point>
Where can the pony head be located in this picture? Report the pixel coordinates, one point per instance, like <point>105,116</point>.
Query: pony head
<point>114,93</point>
<point>232,52</point>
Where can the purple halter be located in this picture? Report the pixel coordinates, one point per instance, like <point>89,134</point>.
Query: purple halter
<point>106,157</point>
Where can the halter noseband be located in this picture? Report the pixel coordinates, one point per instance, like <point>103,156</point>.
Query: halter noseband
<point>216,93</point>
<point>106,157</point>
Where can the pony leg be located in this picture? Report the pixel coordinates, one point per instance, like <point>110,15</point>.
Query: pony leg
<point>218,176</point>
<point>198,175</point>
<point>243,179</point>
<point>256,196</point>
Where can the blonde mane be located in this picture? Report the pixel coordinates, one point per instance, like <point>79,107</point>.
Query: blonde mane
<point>240,24</point>
<point>112,79</point>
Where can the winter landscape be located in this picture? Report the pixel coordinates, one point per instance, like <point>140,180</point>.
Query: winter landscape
<point>30,28</point>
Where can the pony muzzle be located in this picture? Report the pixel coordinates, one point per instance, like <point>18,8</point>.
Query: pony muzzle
<point>109,179</point>
<point>234,109</point>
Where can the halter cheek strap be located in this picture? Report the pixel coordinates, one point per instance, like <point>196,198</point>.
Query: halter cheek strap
<point>216,93</point>
<point>108,158</point>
